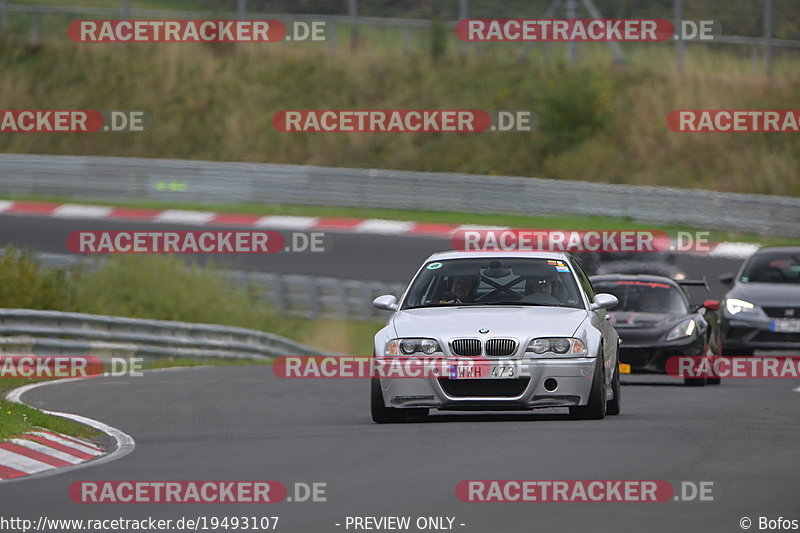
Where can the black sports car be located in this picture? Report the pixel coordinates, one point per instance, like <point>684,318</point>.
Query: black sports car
<point>654,263</point>
<point>762,309</point>
<point>655,321</point>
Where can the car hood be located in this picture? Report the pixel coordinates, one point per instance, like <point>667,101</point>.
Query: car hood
<point>638,320</point>
<point>767,294</point>
<point>449,322</point>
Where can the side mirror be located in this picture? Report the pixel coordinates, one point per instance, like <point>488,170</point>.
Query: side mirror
<point>387,302</point>
<point>727,279</point>
<point>604,301</point>
<point>711,305</point>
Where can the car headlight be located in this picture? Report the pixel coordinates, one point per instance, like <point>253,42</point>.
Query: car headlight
<point>556,347</point>
<point>682,330</point>
<point>735,306</point>
<point>412,346</point>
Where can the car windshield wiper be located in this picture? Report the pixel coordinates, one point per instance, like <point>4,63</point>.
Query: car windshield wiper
<point>530,304</point>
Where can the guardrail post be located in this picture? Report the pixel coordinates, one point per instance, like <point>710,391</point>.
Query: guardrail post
<point>36,29</point>
<point>352,12</point>
<point>572,46</point>
<point>768,37</point>
<point>241,9</point>
<point>463,13</point>
<point>4,17</point>
<point>680,46</point>
<point>126,9</point>
<point>330,36</point>
<point>279,294</point>
<point>406,39</point>
<point>314,301</point>
<point>344,303</point>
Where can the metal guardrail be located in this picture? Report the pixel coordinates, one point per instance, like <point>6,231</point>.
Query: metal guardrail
<point>117,179</point>
<point>287,294</point>
<point>25,331</point>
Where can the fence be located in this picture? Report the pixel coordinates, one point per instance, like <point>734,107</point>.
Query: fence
<point>24,331</point>
<point>119,179</point>
<point>348,16</point>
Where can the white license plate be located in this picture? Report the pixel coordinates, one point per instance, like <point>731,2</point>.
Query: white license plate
<point>484,370</point>
<point>785,325</point>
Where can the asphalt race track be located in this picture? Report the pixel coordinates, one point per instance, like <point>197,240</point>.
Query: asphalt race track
<point>243,423</point>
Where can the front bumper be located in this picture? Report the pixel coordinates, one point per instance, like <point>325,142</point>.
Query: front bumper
<point>651,358</point>
<point>756,334</point>
<point>573,380</point>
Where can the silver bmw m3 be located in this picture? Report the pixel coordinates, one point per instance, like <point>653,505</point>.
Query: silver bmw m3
<point>531,319</point>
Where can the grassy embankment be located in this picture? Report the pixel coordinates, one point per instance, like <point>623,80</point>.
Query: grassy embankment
<point>598,122</point>
<point>160,287</point>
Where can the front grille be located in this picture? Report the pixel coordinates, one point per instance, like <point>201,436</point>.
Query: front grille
<point>780,312</point>
<point>772,336</point>
<point>501,347</point>
<point>484,388</point>
<point>466,347</point>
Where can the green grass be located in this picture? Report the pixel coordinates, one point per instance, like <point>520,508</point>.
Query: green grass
<point>564,222</point>
<point>598,122</point>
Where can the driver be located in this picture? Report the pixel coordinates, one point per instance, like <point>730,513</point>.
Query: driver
<point>539,286</point>
<point>462,290</point>
<point>651,302</point>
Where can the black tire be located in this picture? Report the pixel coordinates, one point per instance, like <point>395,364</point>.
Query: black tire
<point>694,382</point>
<point>389,415</point>
<point>596,409</point>
<point>737,353</point>
<point>614,405</point>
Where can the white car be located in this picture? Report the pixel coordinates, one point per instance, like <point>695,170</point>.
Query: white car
<point>531,318</point>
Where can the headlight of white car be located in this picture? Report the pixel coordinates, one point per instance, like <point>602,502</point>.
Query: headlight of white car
<point>412,347</point>
<point>682,330</point>
<point>556,347</point>
<point>734,306</point>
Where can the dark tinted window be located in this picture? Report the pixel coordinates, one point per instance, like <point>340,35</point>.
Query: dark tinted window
<point>494,281</point>
<point>772,268</point>
<point>645,296</point>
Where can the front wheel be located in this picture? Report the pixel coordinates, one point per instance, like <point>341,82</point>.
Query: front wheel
<point>614,405</point>
<point>596,409</point>
<point>388,415</point>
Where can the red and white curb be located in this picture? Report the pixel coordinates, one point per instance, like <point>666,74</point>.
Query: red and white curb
<point>374,226</point>
<point>41,450</point>
<point>42,453</point>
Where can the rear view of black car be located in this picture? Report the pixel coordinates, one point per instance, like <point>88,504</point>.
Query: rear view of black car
<point>761,311</point>
<point>656,321</point>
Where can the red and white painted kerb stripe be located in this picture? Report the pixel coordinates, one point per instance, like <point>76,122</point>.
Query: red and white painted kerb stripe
<point>373,226</point>
<point>41,450</point>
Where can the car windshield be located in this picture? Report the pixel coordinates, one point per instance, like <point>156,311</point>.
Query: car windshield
<point>644,296</point>
<point>474,282</point>
<point>773,268</point>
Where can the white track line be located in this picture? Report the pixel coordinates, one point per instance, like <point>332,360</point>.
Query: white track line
<point>125,443</point>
